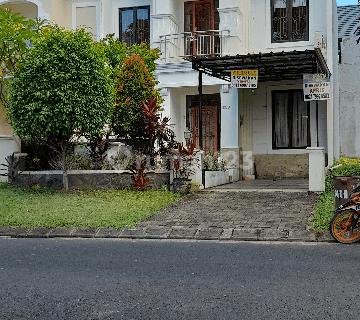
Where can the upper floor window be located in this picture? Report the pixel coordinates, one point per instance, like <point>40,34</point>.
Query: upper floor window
<point>134,25</point>
<point>290,20</point>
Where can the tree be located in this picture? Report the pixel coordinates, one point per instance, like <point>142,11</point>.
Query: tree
<point>16,35</point>
<point>134,85</point>
<point>61,90</point>
<point>132,72</point>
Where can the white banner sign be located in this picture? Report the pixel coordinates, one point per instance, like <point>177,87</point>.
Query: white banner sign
<point>316,86</point>
<point>244,79</point>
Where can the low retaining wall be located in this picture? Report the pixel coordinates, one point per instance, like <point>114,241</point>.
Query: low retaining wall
<point>88,179</point>
<point>291,166</point>
<point>216,178</point>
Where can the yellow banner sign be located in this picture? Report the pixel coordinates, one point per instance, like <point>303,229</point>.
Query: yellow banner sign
<point>251,73</point>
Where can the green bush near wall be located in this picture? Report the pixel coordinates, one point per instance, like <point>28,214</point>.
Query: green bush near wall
<point>326,204</point>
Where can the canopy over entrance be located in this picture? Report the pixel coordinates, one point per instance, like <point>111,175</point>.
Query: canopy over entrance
<point>273,66</point>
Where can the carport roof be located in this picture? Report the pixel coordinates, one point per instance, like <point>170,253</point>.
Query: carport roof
<point>272,66</point>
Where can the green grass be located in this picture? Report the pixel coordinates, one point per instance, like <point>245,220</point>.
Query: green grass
<point>52,208</point>
<point>324,211</point>
<point>326,207</point>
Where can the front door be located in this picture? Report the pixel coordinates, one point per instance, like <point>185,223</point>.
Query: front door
<point>210,119</point>
<point>209,127</point>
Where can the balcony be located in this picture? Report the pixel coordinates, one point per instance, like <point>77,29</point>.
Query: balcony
<point>193,44</point>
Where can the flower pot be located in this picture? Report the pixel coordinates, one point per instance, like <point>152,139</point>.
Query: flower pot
<point>182,185</point>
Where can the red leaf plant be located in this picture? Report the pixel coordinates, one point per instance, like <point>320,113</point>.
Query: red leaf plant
<point>185,161</point>
<point>157,129</point>
<point>139,176</point>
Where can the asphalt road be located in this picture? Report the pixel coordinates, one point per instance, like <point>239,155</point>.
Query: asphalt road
<point>124,279</point>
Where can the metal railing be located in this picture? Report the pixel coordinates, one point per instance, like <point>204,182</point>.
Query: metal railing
<point>187,45</point>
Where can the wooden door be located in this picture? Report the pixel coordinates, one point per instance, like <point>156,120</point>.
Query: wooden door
<point>210,127</point>
<point>198,16</point>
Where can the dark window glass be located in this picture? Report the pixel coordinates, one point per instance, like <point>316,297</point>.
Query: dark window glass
<point>290,120</point>
<point>290,20</point>
<point>134,25</point>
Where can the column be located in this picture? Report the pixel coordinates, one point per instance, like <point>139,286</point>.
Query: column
<point>230,150</point>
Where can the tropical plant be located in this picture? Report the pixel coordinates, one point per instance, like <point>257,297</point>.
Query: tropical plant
<point>139,177</point>
<point>158,134</point>
<point>185,161</point>
<point>16,36</point>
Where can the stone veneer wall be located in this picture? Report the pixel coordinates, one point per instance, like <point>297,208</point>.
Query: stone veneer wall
<point>269,166</point>
<point>88,179</point>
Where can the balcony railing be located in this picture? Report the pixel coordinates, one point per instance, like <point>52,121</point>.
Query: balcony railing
<point>187,45</point>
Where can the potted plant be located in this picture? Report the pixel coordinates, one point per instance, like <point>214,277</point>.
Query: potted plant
<point>185,164</point>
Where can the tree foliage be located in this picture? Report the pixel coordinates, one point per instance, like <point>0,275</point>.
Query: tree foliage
<point>134,85</point>
<point>62,88</point>
<point>16,35</point>
<point>116,52</point>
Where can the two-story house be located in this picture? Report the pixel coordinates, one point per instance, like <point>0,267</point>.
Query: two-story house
<point>266,129</point>
<point>262,131</point>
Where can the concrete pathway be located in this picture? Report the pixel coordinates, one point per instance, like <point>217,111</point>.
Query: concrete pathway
<point>244,210</point>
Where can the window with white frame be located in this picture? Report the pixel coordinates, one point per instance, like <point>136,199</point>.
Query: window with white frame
<point>134,25</point>
<point>290,120</point>
<point>290,20</point>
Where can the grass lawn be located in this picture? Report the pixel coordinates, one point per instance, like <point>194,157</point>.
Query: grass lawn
<point>44,207</point>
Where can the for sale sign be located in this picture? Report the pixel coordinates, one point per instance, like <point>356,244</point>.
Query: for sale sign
<point>316,86</point>
<point>244,78</point>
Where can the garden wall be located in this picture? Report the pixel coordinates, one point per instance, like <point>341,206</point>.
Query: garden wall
<point>88,179</point>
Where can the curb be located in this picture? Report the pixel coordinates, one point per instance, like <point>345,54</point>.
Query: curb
<point>176,232</point>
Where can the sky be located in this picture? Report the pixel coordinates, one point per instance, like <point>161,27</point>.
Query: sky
<point>346,2</point>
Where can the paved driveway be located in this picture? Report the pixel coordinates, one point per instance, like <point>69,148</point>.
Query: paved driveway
<point>245,210</point>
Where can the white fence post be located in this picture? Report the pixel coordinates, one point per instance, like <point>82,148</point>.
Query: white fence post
<point>316,169</point>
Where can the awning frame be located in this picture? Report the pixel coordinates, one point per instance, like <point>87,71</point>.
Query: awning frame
<point>272,66</point>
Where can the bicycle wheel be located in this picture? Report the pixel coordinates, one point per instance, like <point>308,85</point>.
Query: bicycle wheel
<point>345,226</point>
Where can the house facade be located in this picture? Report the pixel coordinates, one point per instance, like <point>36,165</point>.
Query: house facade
<point>262,131</point>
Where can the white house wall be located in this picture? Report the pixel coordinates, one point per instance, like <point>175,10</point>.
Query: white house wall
<point>349,84</point>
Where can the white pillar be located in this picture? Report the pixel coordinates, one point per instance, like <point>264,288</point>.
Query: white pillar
<point>229,117</point>
<point>230,151</point>
<point>316,169</point>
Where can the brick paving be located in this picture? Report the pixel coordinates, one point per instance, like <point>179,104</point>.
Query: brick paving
<point>234,215</point>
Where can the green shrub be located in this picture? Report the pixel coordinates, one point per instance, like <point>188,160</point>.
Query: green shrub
<point>326,204</point>
<point>212,162</point>
<point>349,166</point>
<point>62,87</point>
